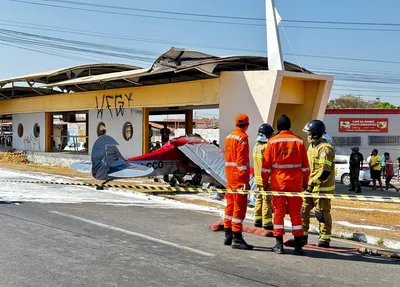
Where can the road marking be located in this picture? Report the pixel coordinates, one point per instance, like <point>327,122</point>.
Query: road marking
<point>134,234</point>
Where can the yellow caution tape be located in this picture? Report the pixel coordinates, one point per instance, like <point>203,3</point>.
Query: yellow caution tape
<point>197,190</point>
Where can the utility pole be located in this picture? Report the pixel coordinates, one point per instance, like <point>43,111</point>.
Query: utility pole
<point>358,101</point>
<point>274,50</point>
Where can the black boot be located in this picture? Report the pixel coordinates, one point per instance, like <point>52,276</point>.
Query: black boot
<point>278,248</point>
<point>228,236</point>
<point>352,188</point>
<point>268,227</point>
<point>358,189</point>
<point>239,243</point>
<point>258,223</point>
<point>304,240</point>
<point>323,244</point>
<point>298,245</point>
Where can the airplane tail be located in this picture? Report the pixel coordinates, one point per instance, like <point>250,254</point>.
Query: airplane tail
<point>108,163</point>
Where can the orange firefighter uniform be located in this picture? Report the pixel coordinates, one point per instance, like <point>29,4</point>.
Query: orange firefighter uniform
<point>237,171</point>
<point>285,160</point>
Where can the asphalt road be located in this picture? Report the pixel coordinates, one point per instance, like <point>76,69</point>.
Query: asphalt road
<point>142,242</point>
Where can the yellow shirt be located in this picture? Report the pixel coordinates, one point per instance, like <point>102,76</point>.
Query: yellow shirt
<point>374,160</point>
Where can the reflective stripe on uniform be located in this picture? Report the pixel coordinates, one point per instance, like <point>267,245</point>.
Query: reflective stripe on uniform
<point>257,155</point>
<point>264,170</point>
<point>285,140</point>
<point>258,177</point>
<point>238,138</point>
<point>297,227</point>
<point>230,164</point>
<point>279,226</point>
<point>305,169</point>
<point>237,220</point>
<point>325,236</point>
<point>228,217</point>
<point>315,180</point>
<point>242,167</point>
<point>328,188</point>
<point>323,161</point>
<point>268,170</point>
<point>286,165</point>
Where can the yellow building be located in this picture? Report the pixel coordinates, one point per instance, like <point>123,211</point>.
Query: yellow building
<point>117,99</point>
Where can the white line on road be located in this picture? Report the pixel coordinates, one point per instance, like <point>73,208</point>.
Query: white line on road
<point>134,234</point>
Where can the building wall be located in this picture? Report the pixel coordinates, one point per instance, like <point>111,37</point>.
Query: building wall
<point>28,141</point>
<point>114,128</point>
<point>265,95</point>
<point>343,141</point>
<point>248,92</point>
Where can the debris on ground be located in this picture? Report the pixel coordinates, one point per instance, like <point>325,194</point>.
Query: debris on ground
<point>14,157</point>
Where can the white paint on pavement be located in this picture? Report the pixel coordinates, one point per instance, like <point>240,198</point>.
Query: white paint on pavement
<point>134,234</point>
<point>345,223</point>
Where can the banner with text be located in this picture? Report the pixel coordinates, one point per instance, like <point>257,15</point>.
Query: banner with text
<point>367,125</point>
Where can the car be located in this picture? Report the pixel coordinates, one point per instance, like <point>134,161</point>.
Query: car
<point>342,171</point>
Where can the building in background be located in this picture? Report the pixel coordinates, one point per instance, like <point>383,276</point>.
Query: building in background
<point>365,128</point>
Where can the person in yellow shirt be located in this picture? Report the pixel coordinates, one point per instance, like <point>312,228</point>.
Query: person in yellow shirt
<point>375,168</point>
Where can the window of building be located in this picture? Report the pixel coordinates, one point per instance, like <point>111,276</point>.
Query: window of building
<point>383,140</point>
<point>346,141</point>
<point>127,131</point>
<point>20,130</point>
<point>36,130</point>
<point>101,129</point>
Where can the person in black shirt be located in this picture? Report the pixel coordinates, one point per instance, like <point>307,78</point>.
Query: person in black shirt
<point>356,163</point>
<point>165,132</point>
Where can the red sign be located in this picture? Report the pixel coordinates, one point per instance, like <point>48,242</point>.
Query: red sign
<point>364,125</point>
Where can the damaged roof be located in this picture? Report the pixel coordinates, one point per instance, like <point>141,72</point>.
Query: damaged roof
<point>175,65</point>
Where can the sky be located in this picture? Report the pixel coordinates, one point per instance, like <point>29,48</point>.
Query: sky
<point>363,57</point>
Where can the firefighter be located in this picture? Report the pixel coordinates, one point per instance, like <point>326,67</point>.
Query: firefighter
<point>237,170</point>
<point>285,160</point>
<point>321,156</point>
<point>263,208</point>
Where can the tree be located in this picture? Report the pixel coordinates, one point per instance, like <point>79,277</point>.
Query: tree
<point>350,101</point>
<point>385,105</point>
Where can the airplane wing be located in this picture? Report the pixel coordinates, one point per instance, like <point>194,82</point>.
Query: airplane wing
<point>82,166</point>
<point>208,157</point>
<point>211,159</point>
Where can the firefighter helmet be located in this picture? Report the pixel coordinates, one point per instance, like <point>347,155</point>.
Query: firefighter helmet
<point>265,130</point>
<point>316,128</point>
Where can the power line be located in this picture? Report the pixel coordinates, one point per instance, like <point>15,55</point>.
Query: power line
<point>134,15</point>
<point>193,14</point>
<point>153,11</point>
<point>341,28</point>
<point>219,47</point>
<point>342,22</point>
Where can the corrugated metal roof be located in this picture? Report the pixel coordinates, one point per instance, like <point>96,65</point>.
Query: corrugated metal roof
<point>175,65</point>
<point>69,72</point>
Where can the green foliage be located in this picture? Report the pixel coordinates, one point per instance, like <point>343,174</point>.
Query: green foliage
<point>350,101</point>
<point>385,105</point>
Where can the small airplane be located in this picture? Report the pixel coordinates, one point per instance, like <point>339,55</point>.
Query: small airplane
<point>189,155</point>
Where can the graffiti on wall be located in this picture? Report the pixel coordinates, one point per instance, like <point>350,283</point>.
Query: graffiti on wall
<point>115,105</point>
<point>31,142</point>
